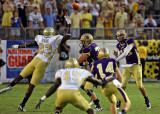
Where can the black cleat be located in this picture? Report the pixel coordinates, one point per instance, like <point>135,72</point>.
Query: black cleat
<point>21,108</point>
<point>148,105</point>
<point>118,104</point>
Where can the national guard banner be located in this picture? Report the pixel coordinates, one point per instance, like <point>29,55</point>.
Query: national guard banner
<point>17,59</point>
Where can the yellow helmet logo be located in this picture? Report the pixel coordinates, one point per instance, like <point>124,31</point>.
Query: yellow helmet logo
<point>48,32</point>
<point>71,63</point>
<point>86,39</point>
<point>103,53</point>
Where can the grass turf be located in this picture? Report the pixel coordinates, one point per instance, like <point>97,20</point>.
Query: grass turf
<point>10,100</point>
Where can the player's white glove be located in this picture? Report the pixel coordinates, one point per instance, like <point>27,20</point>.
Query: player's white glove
<point>68,19</point>
<point>15,46</point>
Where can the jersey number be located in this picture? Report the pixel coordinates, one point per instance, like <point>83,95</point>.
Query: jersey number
<point>109,68</point>
<point>75,74</point>
<point>47,47</point>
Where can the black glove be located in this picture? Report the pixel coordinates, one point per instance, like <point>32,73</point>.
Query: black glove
<point>38,104</point>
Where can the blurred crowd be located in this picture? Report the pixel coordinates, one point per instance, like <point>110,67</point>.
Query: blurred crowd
<point>98,17</point>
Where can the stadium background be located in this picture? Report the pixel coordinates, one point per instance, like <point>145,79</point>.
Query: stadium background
<point>16,60</point>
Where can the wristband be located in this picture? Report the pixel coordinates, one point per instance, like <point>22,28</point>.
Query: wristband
<point>43,98</point>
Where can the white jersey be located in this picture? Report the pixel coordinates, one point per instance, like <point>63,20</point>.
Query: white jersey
<point>36,19</point>
<point>71,78</point>
<point>47,46</point>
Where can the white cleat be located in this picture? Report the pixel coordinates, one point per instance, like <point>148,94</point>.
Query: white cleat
<point>98,109</point>
<point>21,108</point>
<point>5,89</point>
<point>148,106</point>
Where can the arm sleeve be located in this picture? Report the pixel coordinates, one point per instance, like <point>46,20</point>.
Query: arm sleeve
<point>58,74</point>
<point>58,41</point>
<point>86,74</point>
<point>125,53</point>
<point>154,23</point>
<point>36,39</point>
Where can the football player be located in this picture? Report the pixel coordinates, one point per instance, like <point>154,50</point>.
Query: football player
<point>104,68</point>
<point>48,44</point>
<point>68,81</point>
<point>89,54</point>
<point>127,49</point>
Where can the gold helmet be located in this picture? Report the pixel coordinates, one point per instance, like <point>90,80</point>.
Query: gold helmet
<point>121,33</point>
<point>86,39</point>
<point>71,63</point>
<point>103,53</point>
<point>48,32</point>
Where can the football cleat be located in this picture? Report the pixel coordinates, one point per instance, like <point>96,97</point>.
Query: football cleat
<point>118,104</point>
<point>98,109</point>
<point>5,89</point>
<point>91,103</point>
<point>148,105</point>
<point>21,108</point>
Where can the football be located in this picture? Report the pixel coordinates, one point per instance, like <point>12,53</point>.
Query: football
<point>75,6</point>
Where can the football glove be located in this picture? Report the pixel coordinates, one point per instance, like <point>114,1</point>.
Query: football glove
<point>15,46</point>
<point>38,104</point>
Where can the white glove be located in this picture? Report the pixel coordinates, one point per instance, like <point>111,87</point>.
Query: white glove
<point>117,83</point>
<point>68,19</point>
<point>15,46</point>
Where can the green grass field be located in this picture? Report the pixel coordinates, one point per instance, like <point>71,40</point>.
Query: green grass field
<point>10,100</point>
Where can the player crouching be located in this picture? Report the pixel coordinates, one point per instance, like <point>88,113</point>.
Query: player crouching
<point>104,68</point>
<point>68,81</point>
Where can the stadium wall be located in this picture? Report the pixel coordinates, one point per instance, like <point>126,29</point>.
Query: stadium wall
<point>17,59</point>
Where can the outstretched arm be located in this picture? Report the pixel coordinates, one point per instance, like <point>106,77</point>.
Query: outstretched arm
<point>54,87</point>
<point>83,58</point>
<point>25,45</point>
<point>49,92</point>
<point>125,53</point>
<point>94,81</point>
<point>65,38</point>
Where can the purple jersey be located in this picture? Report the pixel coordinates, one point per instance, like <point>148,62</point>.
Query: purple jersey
<point>133,56</point>
<point>104,68</point>
<point>92,50</point>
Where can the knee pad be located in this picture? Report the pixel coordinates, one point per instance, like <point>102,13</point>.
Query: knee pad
<point>90,92</point>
